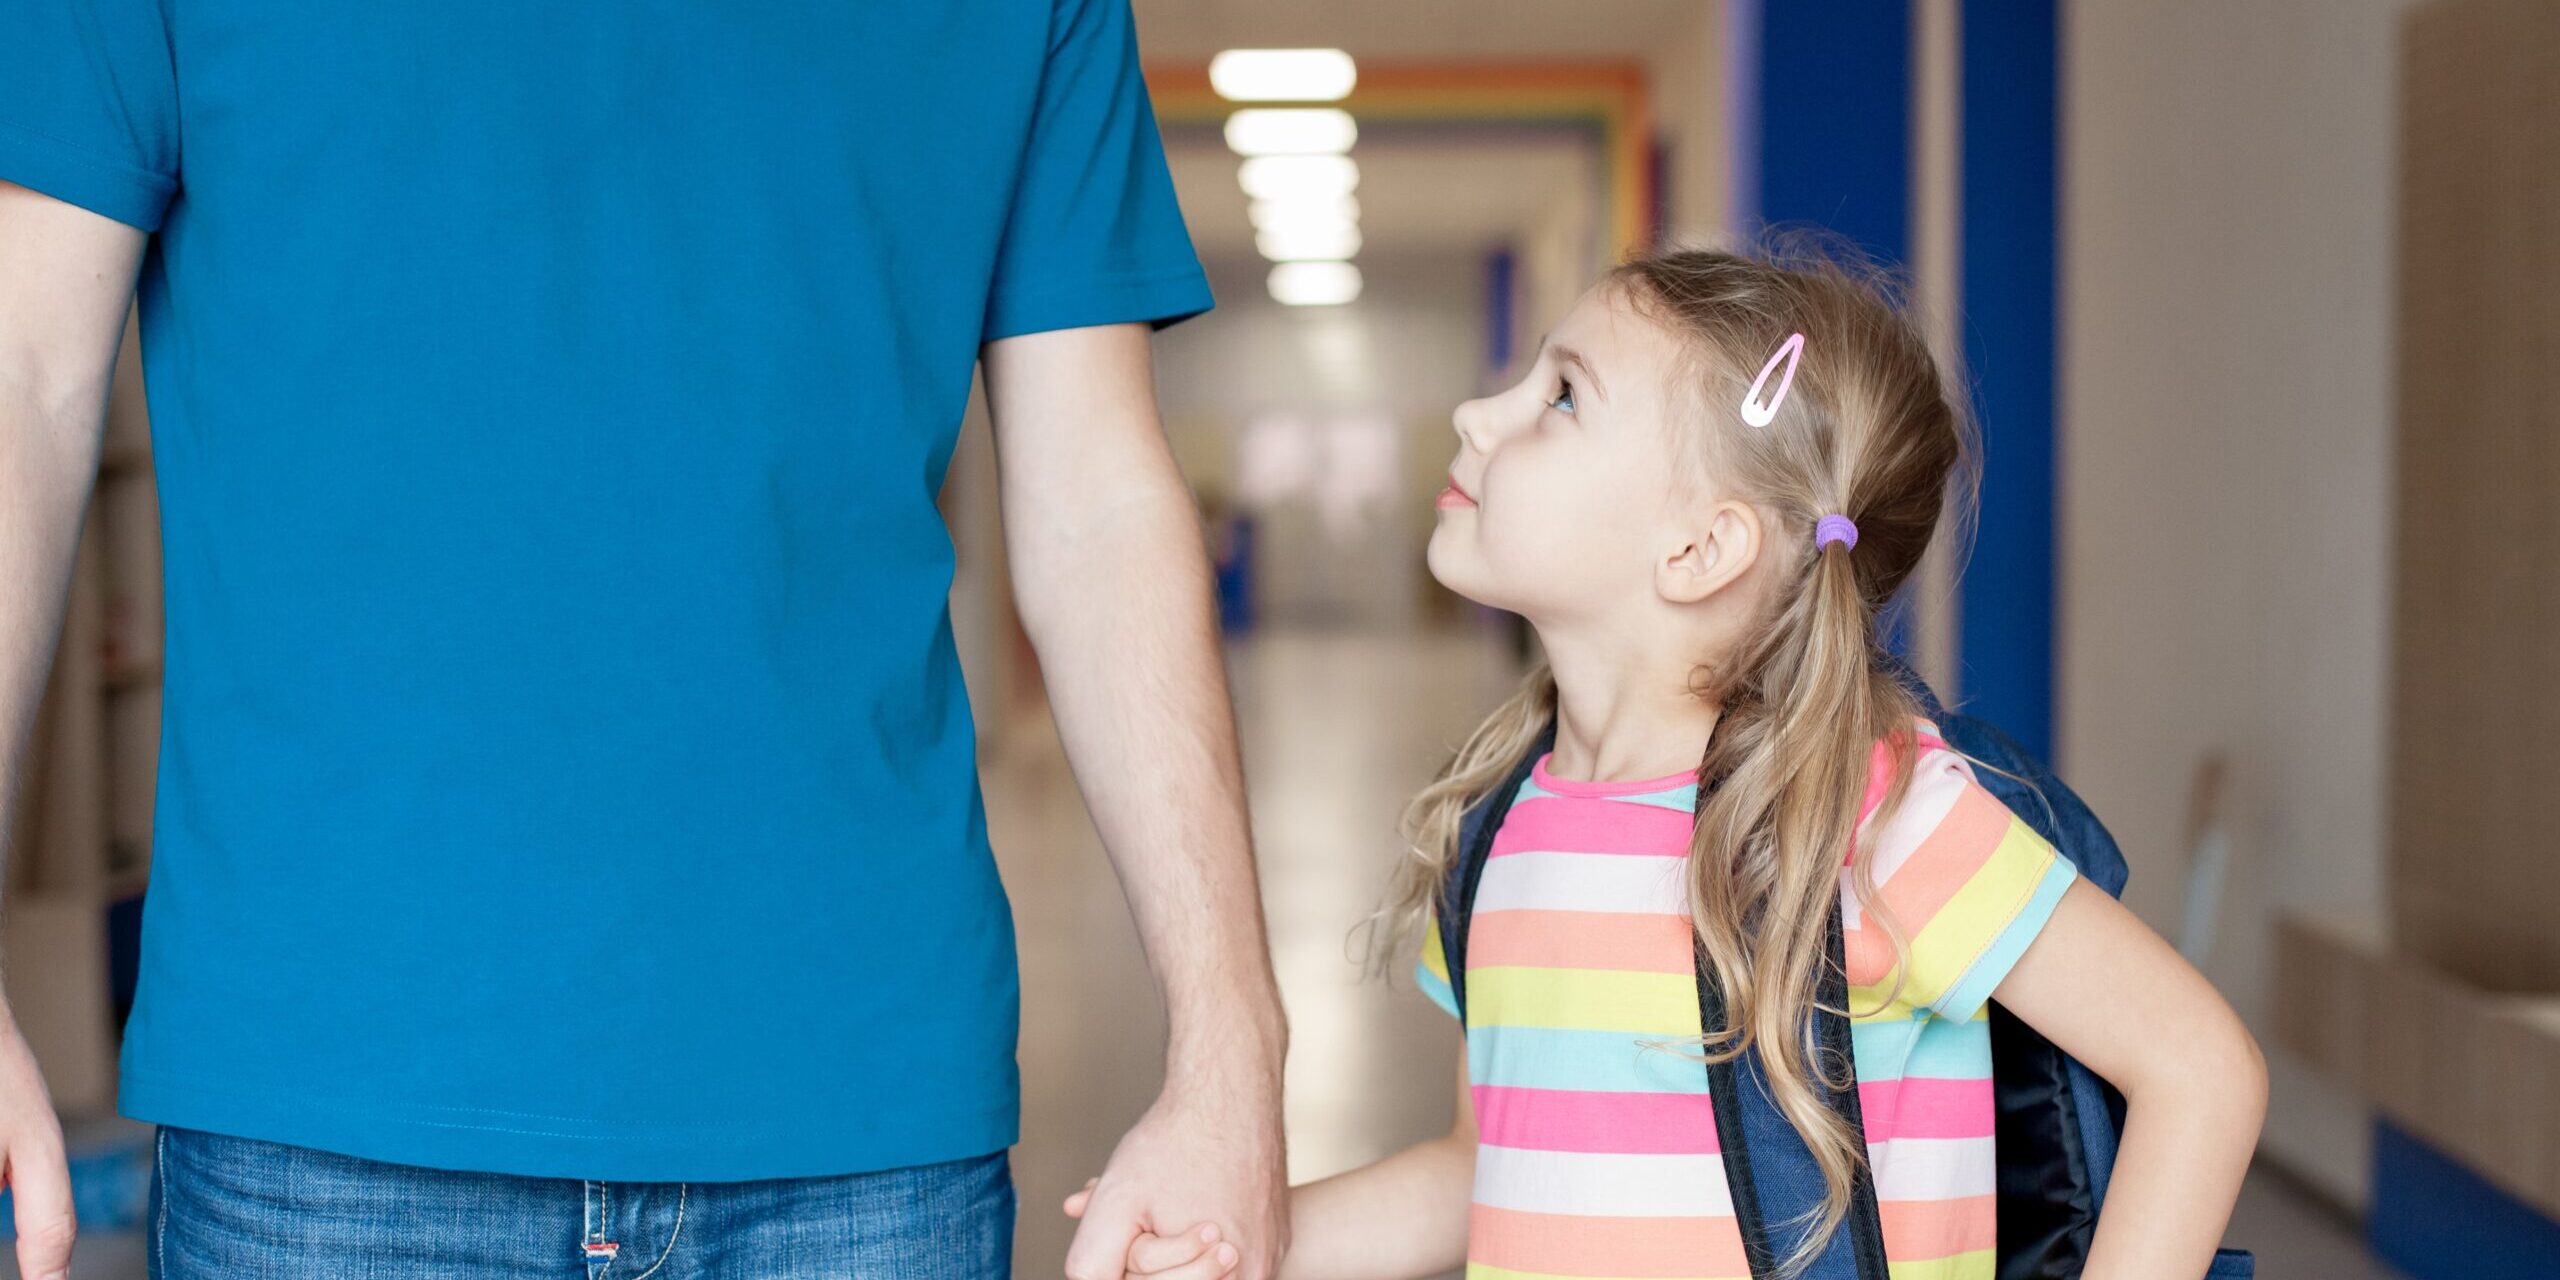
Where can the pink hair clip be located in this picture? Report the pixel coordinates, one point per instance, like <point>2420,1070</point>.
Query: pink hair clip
<point>1761,415</point>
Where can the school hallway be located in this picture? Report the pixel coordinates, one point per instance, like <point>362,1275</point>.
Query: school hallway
<point>2256,563</point>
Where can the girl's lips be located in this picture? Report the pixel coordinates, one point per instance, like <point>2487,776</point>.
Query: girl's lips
<point>1453,496</point>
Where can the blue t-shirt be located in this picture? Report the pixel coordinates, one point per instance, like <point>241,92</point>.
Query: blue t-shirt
<point>566,769</point>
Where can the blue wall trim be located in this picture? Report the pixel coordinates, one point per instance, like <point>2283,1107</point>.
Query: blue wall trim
<point>1830,121</point>
<point>2437,1220</point>
<point>2005,598</point>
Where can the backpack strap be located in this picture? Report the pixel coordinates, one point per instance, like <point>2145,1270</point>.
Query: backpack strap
<point>1766,1162</point>
<point>1475,844</point>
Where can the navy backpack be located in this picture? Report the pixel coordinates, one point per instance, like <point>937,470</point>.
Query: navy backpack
<point>2057,1123</point>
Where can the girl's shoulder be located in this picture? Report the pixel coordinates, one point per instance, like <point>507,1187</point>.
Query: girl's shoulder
<point>1945,822</point>
<point>1936,767</point>
<point>1966,880</point>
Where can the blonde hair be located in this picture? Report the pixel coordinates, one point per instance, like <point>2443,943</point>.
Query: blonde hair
<point>1870,431</point>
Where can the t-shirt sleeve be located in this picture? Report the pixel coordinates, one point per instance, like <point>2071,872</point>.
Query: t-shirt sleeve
<point>89,105</point>
<point>1968,881</point>
<point>1431,973</point>
<point>1094,234</point>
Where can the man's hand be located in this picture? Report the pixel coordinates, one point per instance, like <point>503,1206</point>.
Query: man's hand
<point>38,1175</point>
<point>1198,1254</point>
<point>1191,1159</point>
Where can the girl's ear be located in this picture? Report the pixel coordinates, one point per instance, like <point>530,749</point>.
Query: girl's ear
<point>1711,556</point>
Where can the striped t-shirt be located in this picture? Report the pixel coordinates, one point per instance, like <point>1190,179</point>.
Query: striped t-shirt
<point>1597,1155</point>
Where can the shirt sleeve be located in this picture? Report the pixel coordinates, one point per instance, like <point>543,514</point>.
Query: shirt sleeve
<point>1431,973</point>
<point>1969,883</point>
<point>89,105</point>
<point>1094,234</point>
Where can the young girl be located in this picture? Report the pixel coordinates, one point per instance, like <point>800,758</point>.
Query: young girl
<point>1717,471</point>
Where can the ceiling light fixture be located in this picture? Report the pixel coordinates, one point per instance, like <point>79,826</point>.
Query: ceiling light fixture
<point>1298,177</point>
<point>1315,284</point>
<point>1291,131</point>
<point>1308,243</point>
<point>1282,75</point>
<point>1330,211</point>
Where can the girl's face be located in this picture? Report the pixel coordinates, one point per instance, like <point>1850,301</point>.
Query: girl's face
<point>1561,502</point>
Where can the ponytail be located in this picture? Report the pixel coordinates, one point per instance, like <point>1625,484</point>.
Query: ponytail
<point>1788,766</point>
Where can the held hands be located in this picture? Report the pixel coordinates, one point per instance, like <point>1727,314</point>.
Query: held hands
<point>1209,1151</point>
<point>1196,1254</point>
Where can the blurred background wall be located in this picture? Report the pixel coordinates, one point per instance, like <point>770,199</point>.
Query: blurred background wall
<point>2225,546</point>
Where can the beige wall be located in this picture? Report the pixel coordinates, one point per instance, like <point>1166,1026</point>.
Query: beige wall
<point>2224,468</point>
<point>1688,104</point>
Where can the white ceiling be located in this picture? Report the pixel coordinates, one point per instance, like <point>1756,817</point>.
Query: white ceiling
<point>1440,30</point>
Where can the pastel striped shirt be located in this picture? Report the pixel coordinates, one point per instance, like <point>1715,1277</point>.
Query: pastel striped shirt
<point>1597,1155</point>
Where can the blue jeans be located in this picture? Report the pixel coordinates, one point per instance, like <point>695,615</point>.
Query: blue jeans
<point>237,1207</point>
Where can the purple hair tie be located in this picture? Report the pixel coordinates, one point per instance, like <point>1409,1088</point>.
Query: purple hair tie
<point>1831,529</point>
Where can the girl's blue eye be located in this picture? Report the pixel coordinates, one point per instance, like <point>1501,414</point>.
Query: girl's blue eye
<point>1564,399</point>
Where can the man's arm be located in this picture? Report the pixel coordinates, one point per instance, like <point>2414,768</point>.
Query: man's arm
<point>1114,588</point>
<point>66,277</point>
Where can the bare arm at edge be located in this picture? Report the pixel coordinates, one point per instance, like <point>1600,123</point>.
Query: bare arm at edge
<point>66,280</point>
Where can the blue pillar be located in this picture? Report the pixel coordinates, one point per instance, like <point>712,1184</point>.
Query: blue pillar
<point>1821,103</point>
<point>2005,631</point>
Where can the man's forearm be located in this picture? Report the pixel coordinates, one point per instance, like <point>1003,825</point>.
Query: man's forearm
<point>66,279</point>
<point>1121,613</point>
<point>48,453</point>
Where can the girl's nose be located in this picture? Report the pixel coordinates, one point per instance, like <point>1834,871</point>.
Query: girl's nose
<point>1474,421</point>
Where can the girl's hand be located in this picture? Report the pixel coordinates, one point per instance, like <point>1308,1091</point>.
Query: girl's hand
<point>1195,1254</point>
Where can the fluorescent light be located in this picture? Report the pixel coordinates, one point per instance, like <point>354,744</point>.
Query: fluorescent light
<point>1330,211</point>
<point>1282,75</point>
<point>1298,177</point>
<point>1291,131</point>
<point>1297,243</point>
<point>1315,284</point>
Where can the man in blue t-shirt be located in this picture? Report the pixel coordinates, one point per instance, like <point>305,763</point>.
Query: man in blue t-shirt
<point>569,849</point>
